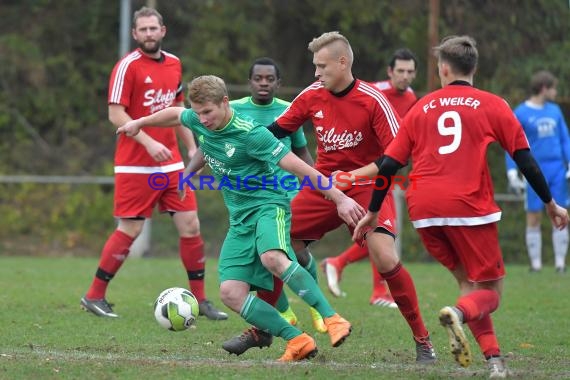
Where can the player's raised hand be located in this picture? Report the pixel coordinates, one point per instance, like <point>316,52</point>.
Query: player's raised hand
<point>130,128</point>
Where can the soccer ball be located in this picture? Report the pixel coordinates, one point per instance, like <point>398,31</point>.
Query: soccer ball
<point>176,309</point>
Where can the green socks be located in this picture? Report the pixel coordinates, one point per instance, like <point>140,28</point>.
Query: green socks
<point>305,286</point>
<point>312,267</point>
<point>264,316</point>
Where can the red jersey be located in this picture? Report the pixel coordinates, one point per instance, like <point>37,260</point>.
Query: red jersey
<point>402,101</point>
<point>352,128</point>
<point>144,86</point>
<point>447,134</point>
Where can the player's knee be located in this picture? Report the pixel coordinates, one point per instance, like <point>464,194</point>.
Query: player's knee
<point>193,228</point>
<point>465,286</point>
<point>271,260</point>
<point>495,286</point>
<point>231,297</point>
<point>387,263</point>
<point>225,295</point>
<point>133,227</point>
<point>188,224</point>
<point>384,256</point>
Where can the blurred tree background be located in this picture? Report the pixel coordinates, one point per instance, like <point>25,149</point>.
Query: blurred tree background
<point>56,56</point>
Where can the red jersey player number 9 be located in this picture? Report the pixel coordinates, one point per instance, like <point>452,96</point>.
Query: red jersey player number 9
<point>453,130</point>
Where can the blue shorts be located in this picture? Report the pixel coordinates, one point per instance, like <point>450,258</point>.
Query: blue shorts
<point>555,174</point>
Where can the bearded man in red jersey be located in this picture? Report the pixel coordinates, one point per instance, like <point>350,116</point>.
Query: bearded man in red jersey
<point>143,82</point>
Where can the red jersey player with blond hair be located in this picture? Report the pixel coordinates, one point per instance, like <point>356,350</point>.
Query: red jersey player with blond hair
<point>352,121</point>
<point>401,71</point>
<point>452,206</point>
<point>143,82</point>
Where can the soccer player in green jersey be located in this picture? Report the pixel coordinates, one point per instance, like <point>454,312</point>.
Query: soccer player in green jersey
<point>257,245</point>
<point>265,108</point>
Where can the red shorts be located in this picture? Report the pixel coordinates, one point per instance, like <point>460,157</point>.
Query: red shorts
<point>136,195</point>
<point>475,247</point>
<point>312,216</point>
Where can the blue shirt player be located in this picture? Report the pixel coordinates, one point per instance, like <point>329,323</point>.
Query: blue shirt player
<point>547,134</point>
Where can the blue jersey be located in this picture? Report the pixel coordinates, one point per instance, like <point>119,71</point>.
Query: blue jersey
<point>549,141</point>
<point>547,133</point>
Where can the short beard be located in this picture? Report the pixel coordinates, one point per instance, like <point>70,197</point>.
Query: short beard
<point>153,50</point>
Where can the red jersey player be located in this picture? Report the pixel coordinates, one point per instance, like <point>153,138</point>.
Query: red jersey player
<point>401,71</point>
<point>352,121</point>
<point>452,203</point>
<point>143,82</point>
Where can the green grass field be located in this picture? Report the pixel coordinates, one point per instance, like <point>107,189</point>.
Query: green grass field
<point>45,335</point>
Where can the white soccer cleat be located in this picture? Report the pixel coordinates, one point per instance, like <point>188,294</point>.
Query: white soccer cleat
<point>384,301</point>
<point>458,343</point>
<point>333,277</point>
<point>497,368</point>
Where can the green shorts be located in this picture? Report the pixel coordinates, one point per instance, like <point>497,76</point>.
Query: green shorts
<point>264,230</point>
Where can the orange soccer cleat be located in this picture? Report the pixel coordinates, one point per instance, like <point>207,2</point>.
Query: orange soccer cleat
<point>338,328</point>
<point>299,348</point>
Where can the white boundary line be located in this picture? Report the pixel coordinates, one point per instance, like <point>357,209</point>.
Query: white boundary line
<point>77,355</point>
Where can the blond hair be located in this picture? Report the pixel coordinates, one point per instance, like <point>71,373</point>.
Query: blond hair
<point>460,52</point>
<point>338,44</point>
<point>207,88</point>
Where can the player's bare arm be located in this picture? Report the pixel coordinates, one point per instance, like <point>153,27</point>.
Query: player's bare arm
<point>119,117</point>
<point>386,168</point>
<point>187,137</point>
<point>196,164</point>
<point>168,117</point>
<point>342,179</point>
<point>304,154</point>
<point>348,209</point>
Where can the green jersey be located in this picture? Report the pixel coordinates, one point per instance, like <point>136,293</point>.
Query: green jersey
<point>267,114</point>
<point>242,156</point>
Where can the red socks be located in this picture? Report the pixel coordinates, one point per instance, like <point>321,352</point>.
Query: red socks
<point>114,253</point>
<point>354,253</point>
<point>478,304</point>
<point>194,261</point>
<point>404,293</point>
<point>476,308</point>
<point>484,333</point>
